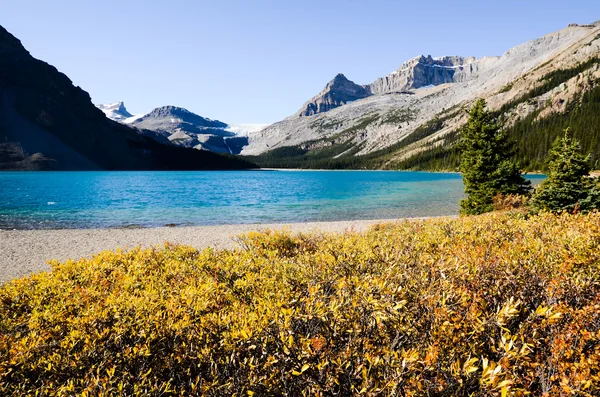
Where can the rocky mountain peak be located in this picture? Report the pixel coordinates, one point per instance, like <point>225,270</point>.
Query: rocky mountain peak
<point>170,110</point>
<point>339,79</point>
<point>115,111</point>
<point>121,107</point>
<point>175,114</point>
<point>172,119</point>
<point>337,92</point>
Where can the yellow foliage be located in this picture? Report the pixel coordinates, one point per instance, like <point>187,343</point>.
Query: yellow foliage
<point>495,305</point>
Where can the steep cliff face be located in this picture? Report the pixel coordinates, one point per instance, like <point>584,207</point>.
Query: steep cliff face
<point>338,92</point>
<point>44,115</point>
<point>425,71</point>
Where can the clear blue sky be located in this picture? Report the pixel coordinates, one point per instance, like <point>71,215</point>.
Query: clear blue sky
<point>255,61</point>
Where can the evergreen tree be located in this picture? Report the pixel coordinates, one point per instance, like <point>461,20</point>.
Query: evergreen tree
<point>485,163</point>
<point>568,187</point>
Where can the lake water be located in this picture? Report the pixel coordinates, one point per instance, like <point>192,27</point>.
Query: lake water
<point>54,200</point>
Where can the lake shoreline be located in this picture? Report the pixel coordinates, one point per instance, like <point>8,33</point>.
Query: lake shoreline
<point>27,251</point>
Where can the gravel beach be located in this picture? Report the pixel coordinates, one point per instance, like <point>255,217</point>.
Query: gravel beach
<point>26,251</point>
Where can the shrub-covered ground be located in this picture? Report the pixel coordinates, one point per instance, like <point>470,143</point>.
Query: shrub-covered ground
<point>482,306</point>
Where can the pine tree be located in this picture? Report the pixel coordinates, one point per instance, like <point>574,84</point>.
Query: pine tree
<point>568,187</point>
<point>485,163</point>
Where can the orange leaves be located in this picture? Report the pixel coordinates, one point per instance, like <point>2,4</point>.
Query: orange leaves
<point>318,343</point>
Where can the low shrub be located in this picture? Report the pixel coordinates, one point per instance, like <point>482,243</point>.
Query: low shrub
<point>493,305</point>
<point>511,202</point>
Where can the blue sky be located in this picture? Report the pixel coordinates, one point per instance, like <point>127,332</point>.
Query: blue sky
<point>258,61</point>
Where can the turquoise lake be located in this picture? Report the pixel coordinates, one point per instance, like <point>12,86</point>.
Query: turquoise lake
<point>57,200</point>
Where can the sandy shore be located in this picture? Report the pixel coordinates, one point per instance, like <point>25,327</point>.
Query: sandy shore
<point>26,251</point>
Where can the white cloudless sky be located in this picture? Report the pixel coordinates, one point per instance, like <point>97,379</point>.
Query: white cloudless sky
<point>258,61</point>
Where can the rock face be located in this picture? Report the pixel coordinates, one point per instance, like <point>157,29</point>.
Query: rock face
<point>48,123</point>
<point>338,92</point>
<point>116,111</point>
<point>425,71</point>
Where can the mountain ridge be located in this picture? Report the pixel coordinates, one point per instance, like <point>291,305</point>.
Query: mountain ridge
<point>379,121</point>
<point>415,73</point>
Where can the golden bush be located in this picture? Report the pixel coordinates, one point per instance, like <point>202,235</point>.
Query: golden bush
<point>481,306</point>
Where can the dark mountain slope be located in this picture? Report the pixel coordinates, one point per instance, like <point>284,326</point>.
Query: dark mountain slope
<point>43,113</point>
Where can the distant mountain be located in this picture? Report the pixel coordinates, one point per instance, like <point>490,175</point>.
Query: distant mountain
<point>116,111</point>
<point>48,123</point>
<point>184,128</point>
<point>180,127</point>
<point>412,116</point>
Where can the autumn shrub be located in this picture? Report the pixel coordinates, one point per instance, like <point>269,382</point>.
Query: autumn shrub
<point>491,305</point>
<point>511,202</point>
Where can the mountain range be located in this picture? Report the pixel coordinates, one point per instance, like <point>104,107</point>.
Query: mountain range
<point>48,123</point>
<point>410,118</point>
<point>182,127</point>
<point>403,119</point>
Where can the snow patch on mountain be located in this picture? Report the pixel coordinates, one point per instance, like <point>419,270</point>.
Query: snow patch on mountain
<point>245,129</point>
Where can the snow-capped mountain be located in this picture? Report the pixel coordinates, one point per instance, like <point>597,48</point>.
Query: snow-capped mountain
<point>116,111</point>
<point>181,127</point>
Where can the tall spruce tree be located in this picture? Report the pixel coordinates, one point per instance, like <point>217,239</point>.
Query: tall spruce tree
<point>485,163</point>
<point>568,186</point>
